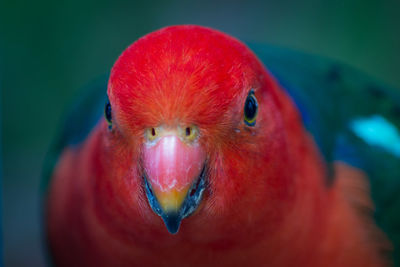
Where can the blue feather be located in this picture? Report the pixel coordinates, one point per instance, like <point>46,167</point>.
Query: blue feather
<point>377,131</point>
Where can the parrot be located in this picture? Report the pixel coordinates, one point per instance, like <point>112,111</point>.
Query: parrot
<point>200,150</point>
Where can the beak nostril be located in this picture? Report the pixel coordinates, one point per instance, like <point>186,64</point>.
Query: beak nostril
<point>152,134</point>
<point>189,133</point>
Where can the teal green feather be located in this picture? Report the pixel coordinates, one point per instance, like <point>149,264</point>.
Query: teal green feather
<point>77,124</point>
<point>80,119</point>
<point>332,97</point>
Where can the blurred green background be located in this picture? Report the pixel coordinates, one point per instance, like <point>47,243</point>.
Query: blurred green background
<point>50,49</point>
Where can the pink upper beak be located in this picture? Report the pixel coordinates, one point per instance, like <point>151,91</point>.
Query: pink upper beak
<point>172,167</point>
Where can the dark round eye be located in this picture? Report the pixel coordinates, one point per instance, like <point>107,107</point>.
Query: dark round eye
<point>107,114</point>
<point>250,109</point>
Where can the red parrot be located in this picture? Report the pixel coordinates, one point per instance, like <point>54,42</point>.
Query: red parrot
<point>208,156</point>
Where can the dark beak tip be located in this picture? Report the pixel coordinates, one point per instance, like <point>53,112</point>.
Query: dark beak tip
<point>172,222</point>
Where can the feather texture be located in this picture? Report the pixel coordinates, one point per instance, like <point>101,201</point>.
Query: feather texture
<point>271,188</point>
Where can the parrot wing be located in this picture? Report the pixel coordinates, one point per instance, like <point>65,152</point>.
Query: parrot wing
<point>80,119</point>
<point>352,117</point>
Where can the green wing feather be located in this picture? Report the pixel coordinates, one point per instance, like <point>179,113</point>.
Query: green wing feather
<point>79,121</point>
<point>330,96</point>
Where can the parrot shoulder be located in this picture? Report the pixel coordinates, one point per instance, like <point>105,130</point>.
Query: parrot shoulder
<point>80,119</point>
<point>354,119</point>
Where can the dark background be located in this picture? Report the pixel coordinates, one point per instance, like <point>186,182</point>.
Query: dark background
<point>50,49</point>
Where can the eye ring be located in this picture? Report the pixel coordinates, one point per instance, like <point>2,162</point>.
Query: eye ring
<point>108,114</point>
<point>250,109</point>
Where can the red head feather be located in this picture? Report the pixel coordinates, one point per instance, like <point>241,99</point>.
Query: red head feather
<point>193,75</point>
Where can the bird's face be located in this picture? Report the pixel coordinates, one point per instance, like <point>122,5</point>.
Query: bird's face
<point>187,103</point>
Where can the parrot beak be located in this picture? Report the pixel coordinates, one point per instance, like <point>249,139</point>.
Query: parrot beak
<point>174,173</point>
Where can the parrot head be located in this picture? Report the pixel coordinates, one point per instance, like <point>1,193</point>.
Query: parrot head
<point>195,128</point>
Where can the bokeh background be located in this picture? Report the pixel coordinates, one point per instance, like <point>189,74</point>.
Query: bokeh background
<point>50,49</point>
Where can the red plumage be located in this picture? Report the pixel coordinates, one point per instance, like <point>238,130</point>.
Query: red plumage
<point>266,202</point>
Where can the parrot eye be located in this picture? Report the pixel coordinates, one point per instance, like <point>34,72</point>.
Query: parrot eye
<point>107,114</point>
<point>250,109</point>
